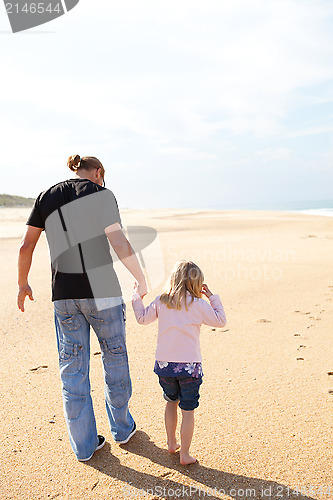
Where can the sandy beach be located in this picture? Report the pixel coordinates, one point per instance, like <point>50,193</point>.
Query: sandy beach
<point>264,424</point>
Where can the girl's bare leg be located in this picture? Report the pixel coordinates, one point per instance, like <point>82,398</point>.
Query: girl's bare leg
<point>186,433</point>
<point>170,419</point>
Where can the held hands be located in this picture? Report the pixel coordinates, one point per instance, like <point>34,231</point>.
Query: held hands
<point>141,288</point>
<point>21,295</point>
<point>205,290</point>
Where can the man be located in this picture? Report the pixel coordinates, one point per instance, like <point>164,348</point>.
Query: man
<point>80,216</point>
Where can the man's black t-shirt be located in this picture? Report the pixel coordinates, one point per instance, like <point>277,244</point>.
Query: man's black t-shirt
<point>74,214</point>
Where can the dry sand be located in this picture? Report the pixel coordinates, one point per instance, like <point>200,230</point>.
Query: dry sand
<point>264,424</point>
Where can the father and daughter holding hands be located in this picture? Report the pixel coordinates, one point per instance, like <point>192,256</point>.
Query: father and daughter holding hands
<point>80,216</point>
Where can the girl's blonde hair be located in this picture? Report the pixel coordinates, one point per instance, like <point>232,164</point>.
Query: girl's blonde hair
<point>185,277</point>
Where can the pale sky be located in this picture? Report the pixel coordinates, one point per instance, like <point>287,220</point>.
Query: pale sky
<point>187,103</point>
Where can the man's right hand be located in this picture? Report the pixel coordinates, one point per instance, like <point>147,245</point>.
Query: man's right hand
<point>142,289</point>
<point>21,295</point>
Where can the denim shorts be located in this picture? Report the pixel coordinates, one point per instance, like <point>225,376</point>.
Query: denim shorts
<point>184,389</point>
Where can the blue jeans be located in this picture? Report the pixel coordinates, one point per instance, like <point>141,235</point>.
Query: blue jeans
<point>73,318</point>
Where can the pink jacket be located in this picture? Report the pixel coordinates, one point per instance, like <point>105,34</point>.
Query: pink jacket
<point>179,331</point>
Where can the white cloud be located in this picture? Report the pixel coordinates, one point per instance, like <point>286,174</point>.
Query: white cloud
<point>241,61</point>
<point>271,154</point>
<point>187,153</point>
<point>311,131</point>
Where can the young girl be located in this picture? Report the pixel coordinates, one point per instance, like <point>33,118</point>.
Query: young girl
<point>180,311</point>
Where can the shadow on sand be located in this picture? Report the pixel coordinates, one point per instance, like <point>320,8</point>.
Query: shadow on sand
<point>204,481</point>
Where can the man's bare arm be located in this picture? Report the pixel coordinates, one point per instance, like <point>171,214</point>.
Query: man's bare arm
<point>26,251</point>
<point>126,254</point>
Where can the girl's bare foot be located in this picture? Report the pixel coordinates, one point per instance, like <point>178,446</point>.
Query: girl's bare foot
<point>173,447</point>
<point>186,459</point>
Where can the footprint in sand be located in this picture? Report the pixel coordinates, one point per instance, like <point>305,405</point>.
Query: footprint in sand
<point>301,346</point>
<point>330,374</point>
<point>166,474</point>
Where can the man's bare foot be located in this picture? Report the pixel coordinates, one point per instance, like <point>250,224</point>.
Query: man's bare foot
<point>173,447</point>
<point>186,459</point>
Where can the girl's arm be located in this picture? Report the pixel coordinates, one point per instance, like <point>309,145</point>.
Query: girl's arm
<point>213,314</point>
<point>143,315</point>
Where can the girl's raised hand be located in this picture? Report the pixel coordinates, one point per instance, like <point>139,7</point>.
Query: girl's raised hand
<point>205,290</point>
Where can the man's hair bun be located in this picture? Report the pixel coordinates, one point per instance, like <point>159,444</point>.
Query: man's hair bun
<point>73,162</point>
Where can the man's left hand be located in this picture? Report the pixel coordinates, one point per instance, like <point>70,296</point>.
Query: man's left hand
<point>22,293</point>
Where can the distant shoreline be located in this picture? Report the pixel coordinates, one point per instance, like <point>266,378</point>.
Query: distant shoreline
<point>324,212</point>
<point>311,207</point>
